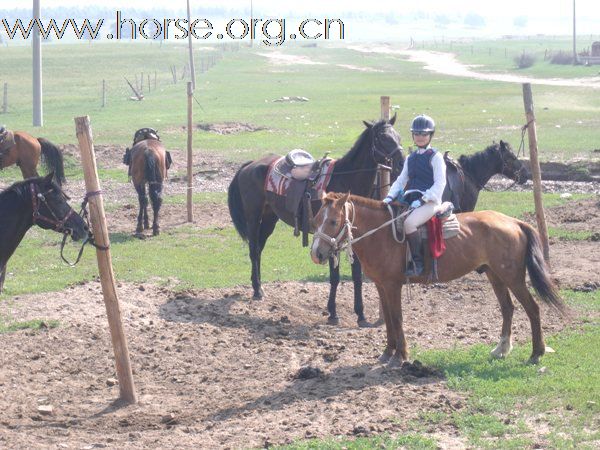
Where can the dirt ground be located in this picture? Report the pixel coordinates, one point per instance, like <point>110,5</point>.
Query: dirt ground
<point>214,369</point>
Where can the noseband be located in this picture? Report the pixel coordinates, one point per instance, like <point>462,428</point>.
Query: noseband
<point>38,199</point>
<point>337,243</point>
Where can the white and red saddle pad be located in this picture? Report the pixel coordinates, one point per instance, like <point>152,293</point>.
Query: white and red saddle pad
<point>279,177</point>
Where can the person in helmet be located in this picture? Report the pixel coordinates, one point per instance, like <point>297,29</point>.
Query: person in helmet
<point>421,185</point>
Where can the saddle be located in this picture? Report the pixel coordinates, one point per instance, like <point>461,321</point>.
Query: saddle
<point>300,180</point>
<point>455,180</point>
<point>7,141</point>
<point>145,133</point>
<point>450,227</point>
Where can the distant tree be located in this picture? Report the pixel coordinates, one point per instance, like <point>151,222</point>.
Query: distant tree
<point>474,20</point>
<point>442,20</point>
<point>520,22</point>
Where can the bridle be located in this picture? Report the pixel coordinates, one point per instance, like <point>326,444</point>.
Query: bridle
<point>387,157</point>
<point>37,200</point>
<point>344,238</point>
<point>505,166</point>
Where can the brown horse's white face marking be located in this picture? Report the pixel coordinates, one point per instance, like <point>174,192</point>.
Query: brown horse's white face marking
<point>328,222</point>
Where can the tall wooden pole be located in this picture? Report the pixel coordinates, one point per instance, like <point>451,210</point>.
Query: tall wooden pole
<point>535,168</point>
<point>38,112</point>
<point>190,111</point>
<point>574,37</point>
<point>191,50</point>
<point>385,107</point>
<point>107,277</point>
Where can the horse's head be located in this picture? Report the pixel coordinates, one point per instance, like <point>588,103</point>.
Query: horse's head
<point>145,133</point>
<point>331,225</point>
<point>511,167</point>
<point>385,142</point>
<point>51,210</point>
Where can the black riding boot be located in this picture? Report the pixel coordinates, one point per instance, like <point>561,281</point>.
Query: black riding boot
<point>416,250</point>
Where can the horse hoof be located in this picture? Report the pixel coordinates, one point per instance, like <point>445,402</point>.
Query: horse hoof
<point>155,232</point>
<point>378,323</point>
<point>364,323</point>
<point>394,363</point>
<point>384,358</point>
<point>333,321</point>
<point>534,360</point>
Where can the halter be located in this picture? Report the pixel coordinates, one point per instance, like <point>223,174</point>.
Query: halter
<point>38,199</point>
<point>505,166</point>
<point>339,244</point>
<point>388,157</point>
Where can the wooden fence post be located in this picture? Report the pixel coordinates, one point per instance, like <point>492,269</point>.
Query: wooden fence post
<point>107,278</point>
<point>190,111</point>
<point>535,168</point>
<point>5,99</point>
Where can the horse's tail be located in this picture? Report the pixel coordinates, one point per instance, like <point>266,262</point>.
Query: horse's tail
<point>152,171</point>
<point>236,207</point>
<point>538,269</point>
<point>53,159</point>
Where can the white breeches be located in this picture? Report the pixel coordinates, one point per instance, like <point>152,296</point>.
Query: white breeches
<point>419,216</point>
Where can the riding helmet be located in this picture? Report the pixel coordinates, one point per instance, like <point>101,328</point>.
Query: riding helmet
<point>422,123</point>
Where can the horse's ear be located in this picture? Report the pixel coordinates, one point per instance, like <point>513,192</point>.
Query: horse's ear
<point>367,124</point>
<point>346,197</point>
<point>393,119</point>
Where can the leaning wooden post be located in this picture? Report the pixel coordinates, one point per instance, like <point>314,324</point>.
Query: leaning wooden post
<point>190,205</point>
<point>5,99</point>
<point>535,168</point>
<point>107,277</point>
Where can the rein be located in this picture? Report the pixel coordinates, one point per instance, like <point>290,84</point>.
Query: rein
<point>339,244</point>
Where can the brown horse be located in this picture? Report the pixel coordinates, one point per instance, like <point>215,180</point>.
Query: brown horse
<point>148,164</point>
<point>502,246</point>
<point>26,153</point>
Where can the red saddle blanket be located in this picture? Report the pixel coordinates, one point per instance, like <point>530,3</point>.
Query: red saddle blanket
<point>437,245</point>
<point>279,177</point>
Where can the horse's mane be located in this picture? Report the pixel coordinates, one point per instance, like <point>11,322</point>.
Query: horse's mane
<point>362,140</point>
<point>358,200</point>
<point>19,188</point>
<point>475,163</point>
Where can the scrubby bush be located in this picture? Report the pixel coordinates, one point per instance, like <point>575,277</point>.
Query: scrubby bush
<point>524,60</point>
<point>562,58</point>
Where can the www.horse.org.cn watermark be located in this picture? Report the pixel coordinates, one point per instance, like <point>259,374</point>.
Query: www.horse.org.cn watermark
<point>272,32</point>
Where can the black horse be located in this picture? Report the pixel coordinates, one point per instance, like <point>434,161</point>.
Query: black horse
<point>254,214</point>
<point>471,174</point>
<point>35,201</point>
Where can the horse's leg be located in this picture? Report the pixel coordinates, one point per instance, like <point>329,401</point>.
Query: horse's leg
<point>394,300</point>
<point>381,319</point>
<point>156,199</point>
<point>334,281</point>
<point>2,277</point>
<point>255,251</point>
<point>519,289</point>
<point>145,211</point>
<point>391,342</point>
<point>143,201</point>
<point>359,308</point>
<point>504,347</point>
<point>267,225</point>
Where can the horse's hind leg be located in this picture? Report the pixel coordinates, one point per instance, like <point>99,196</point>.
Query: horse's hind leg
<point>156,199</point>
<point>143,201</point>
<point>519,289</point>
<point>394,306</point>
<point>504,347</point>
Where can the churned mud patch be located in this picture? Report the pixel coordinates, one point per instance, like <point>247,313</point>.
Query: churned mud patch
<point>229,127</point>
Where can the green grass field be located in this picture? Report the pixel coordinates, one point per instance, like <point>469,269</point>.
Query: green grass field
<point>504,396</point>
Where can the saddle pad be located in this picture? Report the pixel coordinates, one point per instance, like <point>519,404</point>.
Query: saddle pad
<point>450,228</point>
<point>7,140</point>
<point>279,177</point>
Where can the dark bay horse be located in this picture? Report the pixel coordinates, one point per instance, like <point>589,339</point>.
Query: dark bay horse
<point>35,201</point>
<point>478,168</point>
<point>255,215</point>
<point>26,153</point>
<point>504,246</point>
<point>148,164</point>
